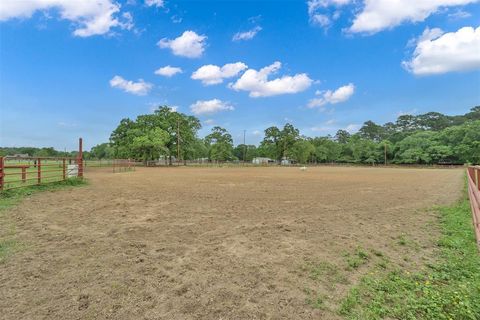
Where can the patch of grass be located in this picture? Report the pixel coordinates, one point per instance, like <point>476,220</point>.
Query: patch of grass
<point>9,198</point>
<point>314,299</point>
<point>326,272</point>
<point>402,240</point>
<point>448,289</point>
<point>357,259</point>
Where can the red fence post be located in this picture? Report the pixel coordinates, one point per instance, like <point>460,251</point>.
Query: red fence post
<point>39,171</point>
<point>2,173</point>
<point>64,169</point>
<point>80,158</point>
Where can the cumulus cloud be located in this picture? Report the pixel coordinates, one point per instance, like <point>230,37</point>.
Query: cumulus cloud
<point>189,44</point>
<point>156,3</point>
<point>320,11</point>
<point>437,52</point>
<point>342,94</point>
<point>246,35</point>
<point>90,17</point>
<point>378,15</point>
<point>139,88</point>
<point>168,71</point>
<point>212,74</point>
<point>210,106</point>
<point>258,85</point>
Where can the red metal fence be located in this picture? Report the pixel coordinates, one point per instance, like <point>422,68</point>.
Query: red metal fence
<point>20,171</point>
<point>473,176</point>
<point>121,165</point>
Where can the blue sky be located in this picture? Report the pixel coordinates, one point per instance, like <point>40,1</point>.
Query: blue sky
<point>76,68</point>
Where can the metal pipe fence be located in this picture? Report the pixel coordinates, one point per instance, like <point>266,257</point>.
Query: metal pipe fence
<point>19,172</point>
<point>473,176</point>
<point>122,165</point>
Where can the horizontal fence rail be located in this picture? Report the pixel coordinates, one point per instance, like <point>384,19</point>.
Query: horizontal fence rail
<point>18,172</point>
<point>473,176</point>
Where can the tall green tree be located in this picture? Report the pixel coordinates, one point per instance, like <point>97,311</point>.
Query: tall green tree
<point>220,144</point>
<point>302,151</point>
<point>279,142</point>
<point>372,131</point>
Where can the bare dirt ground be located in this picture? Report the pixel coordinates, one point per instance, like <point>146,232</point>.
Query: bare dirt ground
<point>215,243</point>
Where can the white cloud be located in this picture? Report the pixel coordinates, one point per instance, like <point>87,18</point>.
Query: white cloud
<point>413,111</point>
<point>247,35</point>
<point>319,11</point>
<point>352,128</point>
<point>459,14</point>
<point>212,74</point>
<point>168,71</point>
<point>189,44</point>
<point>342,94</point>
<point>327,126</point>
<point>139,88</point>
<point>257,83</point>
<point>437,52</point>
<point>210,106</point>
<point>156,3</point>
<point>90,17</point>
<point>209,122</point>
<point>378,15</point>
<point>321,129</point>
<point>257,133</point>
<point>330,122</point>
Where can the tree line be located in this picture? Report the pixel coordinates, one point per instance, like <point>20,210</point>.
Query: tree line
<point>35,152</point>
<point>430,138</point>
<point>414,139</point>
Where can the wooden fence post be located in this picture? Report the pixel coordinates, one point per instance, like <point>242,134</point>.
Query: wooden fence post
<point>2,173</point>
<point>39,171</point>
<point>24,174</point>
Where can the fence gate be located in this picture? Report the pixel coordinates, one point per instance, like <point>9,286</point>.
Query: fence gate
<point>22,171</point>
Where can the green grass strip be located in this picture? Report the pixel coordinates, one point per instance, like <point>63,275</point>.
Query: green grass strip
<point>449,289</point>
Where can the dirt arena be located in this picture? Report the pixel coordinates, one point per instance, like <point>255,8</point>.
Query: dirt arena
<point>215,243</point>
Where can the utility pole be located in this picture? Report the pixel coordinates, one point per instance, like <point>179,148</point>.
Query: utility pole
<point>385,153</point>
<point>244,147</point>
<point>178,140</point>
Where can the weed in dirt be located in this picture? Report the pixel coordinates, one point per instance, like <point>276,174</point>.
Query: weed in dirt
<point>314,299</point>
<point>402,240</point>
<point>448,289</point>
<point>357,259</point>
<point>326,272</point>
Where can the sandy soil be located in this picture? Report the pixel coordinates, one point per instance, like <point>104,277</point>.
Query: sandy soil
<point>213,243</point>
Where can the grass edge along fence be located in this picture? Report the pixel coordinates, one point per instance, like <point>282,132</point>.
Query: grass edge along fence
<point>24,171</point>
<point>473,176</point>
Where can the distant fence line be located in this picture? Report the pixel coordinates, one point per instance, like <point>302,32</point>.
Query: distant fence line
<point>473,176</point>
<point>203,162</point>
